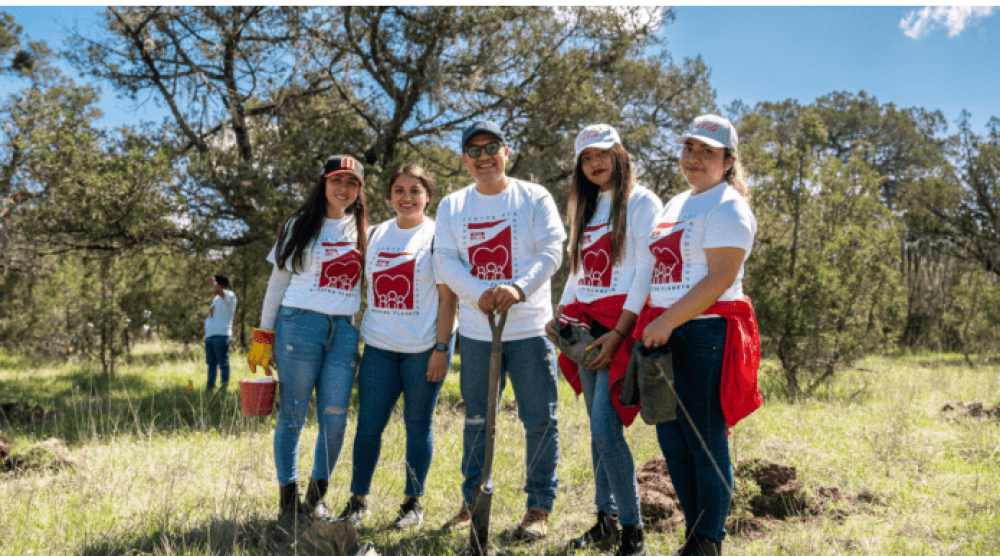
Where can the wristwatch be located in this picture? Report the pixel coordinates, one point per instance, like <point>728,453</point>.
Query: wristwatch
<point>440,346</point>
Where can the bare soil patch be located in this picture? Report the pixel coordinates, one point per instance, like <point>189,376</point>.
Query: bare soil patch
<point>767,494</point>
<point>973,410</point>
<point>49,454</point>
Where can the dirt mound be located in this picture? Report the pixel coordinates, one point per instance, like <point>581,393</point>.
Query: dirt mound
<point>48,454</point>
<point>23,412</point>
<point>976,410</point>
<point>767,493</point>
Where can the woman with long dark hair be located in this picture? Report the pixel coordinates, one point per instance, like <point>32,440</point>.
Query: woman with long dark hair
<point>306,326</point>
<point>407,330</point>
<point>697,312</point>
<point>608,217</point>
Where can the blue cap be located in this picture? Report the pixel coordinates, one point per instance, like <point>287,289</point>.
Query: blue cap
<point>482,126</point>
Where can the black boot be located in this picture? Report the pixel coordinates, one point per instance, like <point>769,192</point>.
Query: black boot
<point>708,547</point>
<point>314,499</point>
<point>604,534</point>
<point>290,507</point>
<point>632,544</point>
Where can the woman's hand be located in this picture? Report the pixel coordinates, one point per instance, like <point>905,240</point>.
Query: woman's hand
<point>437,367</point>
<point>607,343</point>
<point>657,333</point>
<point>550,327</point>
<point>550,330</point>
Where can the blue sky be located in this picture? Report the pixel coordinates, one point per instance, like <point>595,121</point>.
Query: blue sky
<point>936,58</point>
<point>943,58</point>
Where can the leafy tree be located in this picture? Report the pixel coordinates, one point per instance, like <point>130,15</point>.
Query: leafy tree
<point>822,275</point>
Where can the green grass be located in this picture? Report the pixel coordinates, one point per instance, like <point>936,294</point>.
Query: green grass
<point>168,471</point>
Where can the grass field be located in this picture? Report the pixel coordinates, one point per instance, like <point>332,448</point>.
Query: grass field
<point>167,471</point>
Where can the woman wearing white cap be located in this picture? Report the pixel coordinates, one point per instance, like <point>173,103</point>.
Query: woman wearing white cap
<point>608,216</point>
<point>312,296</point>
<point>695,251</point>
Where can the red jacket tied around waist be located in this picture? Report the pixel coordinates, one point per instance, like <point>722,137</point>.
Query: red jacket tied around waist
<point>605,311</point>
<point>738,390</point>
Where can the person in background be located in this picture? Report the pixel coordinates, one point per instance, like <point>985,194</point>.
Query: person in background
<point>497,244</point>
<point>608,217</point>
<point>307,329</point>
<point>695,251</point>
<point>407,330</point>
<point>219,330</point>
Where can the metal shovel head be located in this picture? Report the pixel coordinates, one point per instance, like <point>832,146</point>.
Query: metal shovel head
<point>482,497</point>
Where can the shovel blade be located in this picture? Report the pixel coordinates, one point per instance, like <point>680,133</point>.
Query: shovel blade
<point>479,531</point>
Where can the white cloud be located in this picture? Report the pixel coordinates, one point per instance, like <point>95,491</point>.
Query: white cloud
<point>920,23</point>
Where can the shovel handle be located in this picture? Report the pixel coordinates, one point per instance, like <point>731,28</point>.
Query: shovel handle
<point>496,355</point>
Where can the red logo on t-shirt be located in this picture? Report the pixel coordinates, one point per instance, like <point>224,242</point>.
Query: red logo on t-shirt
<point>341,273</point>
<point>669,262</point>
<point>597,263</point>
<point>393,288</point>
<point>491,259</point>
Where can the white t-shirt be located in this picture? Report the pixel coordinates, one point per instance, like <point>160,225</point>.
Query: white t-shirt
<point>402,292</point>
<point>329,281</point>
<point>597,278</point>
<point>221,321</point>
<point>513,237</point>
<point>689,224</point>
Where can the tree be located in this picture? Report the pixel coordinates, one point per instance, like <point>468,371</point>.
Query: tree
<point>822,274</point>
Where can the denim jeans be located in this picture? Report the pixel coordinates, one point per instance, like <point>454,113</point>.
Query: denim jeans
<point>697,348</point>
<point>383,376</point>
<point>217,355</point>
<point>530,366</point>
<point>312,351</point>
<point>617,490</point>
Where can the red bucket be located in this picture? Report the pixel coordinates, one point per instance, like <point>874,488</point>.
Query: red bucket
<point>257,398</point>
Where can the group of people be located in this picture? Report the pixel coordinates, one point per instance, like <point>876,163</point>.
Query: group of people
<point>643,276</point>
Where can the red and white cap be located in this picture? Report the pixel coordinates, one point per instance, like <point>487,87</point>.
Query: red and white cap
<point>342,163</point>
<point>712,130</point>
<point>599,136</point>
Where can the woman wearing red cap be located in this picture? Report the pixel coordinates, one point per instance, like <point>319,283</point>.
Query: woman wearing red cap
<point>608,218</point>
<point>312,296</point>
<point>697,312</point>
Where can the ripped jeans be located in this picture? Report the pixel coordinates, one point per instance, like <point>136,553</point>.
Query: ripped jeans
<point>530,365</point>
<point>312,351</point>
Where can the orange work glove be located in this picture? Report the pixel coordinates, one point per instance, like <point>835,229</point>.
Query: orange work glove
<point>261,351</point>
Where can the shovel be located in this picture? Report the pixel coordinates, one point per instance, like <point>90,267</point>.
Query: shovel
<point>482,497</point>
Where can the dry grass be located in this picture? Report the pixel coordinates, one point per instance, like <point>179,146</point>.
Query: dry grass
<point>168,471</point>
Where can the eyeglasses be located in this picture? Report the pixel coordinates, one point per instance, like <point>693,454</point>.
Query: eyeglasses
<point>491,148</point>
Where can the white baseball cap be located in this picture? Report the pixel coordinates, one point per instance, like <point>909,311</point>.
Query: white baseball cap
<point>599,136</point>
<point>712,130</point>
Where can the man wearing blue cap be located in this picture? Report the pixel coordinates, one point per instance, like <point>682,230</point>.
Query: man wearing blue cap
<point>498,242</point>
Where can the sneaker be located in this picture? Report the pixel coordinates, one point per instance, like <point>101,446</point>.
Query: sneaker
<point>411,514</point>
<point>462,519</point>
<point>603,535</point>
<point>354,512</point>
<point>534,526</point>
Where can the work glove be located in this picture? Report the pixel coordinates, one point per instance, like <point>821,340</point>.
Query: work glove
<point>261,351</point>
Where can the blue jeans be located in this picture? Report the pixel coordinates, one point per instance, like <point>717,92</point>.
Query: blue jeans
<point>217,355</point>
<point>697,348</point>
<point>530,366</point>
<point>617,490</point>
<point>312,351</point>
<point>384,375</point>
